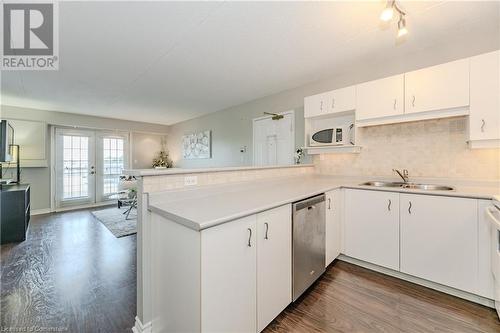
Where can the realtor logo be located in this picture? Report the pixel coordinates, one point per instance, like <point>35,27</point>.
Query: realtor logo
<point>30,36</point>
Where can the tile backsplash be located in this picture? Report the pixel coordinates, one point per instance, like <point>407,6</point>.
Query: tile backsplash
<point>432,148</point>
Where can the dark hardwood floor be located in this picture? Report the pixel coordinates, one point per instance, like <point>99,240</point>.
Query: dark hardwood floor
<point>72,274</point>
<point>349,298</point>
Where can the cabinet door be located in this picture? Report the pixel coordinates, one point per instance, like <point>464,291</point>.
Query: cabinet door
<point>274,263</point>
<point>340,100</point>
<point>228,277</point>
<point>314,106</point>
<point>438,87</point>
<point>380,98</point>
<point>484,97</point>
<point>439,239</point>
<point>332,228</point>
<point>372,227</point>
<point>485,277</point>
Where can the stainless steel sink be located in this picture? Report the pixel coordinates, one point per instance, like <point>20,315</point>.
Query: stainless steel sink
<point>415,186</point>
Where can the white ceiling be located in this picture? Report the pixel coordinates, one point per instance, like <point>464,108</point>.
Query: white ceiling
<point>165,62</point>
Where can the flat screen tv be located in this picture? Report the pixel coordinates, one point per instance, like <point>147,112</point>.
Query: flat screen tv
<point>6,140</point>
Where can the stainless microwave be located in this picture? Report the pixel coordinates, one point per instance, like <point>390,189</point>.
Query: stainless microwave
<point>331,136</point>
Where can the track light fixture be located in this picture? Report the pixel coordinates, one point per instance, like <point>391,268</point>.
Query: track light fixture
<point>388,13</point>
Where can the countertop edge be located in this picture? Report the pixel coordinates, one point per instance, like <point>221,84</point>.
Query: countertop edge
<point>162,172</point>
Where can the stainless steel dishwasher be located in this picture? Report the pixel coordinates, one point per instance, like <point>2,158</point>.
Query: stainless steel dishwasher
<point>308,243</point>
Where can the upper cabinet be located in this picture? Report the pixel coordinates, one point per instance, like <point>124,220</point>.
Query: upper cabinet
<point>484,121</point>
<point>438,87</point>
<point>330,102</point>
<point>380,98</point>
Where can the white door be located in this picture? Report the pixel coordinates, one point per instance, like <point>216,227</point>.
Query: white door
<point>112,158</point>
<point>274,140</point>
<point>372,227</point>
<point>88,165</point>
<point>380,98</point>
<point>332,227</point>
<point>484,97</point>
<point>438,87</point>
<point>228,281</point>
<point>439,238</point>
<point>75,167</point>
<point>274,263</point>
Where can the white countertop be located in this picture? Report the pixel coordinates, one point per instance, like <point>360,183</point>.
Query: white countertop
<point>178,171</point>
<point>204,207</point>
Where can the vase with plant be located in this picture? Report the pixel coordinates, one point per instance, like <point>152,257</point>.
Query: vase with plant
<point>162,160</point>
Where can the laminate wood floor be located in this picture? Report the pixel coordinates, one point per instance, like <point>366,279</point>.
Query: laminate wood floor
<point>72,274</point>
<point>350,298</point>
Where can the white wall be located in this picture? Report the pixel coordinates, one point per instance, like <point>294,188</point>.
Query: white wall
<point>149,136</point>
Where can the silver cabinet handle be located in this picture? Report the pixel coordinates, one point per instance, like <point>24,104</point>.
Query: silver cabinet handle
<point>413,101</point>
<point>409,207</point>
<point>329,203</point>
<point>394,106</point>
<point>321,105</point>
<point>389,205</point>
<point>482,125</point>
<point>333,103</point>
<point>249,237</point>
<point>267,229</point>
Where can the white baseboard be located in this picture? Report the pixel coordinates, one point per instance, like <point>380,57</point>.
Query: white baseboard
<point>99,204</point>
<point>139,327</point>
<point>432,285</point>
<point>40,211</point>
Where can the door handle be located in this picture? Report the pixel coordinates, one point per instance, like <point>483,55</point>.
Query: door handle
<point>92,172</point>
<point>333,103</point>
<point>321,105</point>
<point>389,205</point>
<point>413,101</point>
<point>267,229</point>
<point>329,203</point>
<point>482,125</point>
<point>249,237</point>
<point>395,101</point>
<point>409,207</point>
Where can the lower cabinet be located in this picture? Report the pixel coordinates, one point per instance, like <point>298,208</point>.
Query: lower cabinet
<point>439,239</point>
<point>274,263</point>
<point>332,227</point>
<point>372,227</point>
<point>246,273</point>
<point>228,277</point>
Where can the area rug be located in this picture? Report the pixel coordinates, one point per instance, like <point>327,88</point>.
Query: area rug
<point>114,220</point>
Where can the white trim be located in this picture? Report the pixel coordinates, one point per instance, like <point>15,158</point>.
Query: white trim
<point>291,112</point>
<point>40,211</point>
<point>408,117</point>
<point>52,168</point>
<point>485,143</point>
<point>139,327</point>
<point>432,285</point>
<point>99,204</point>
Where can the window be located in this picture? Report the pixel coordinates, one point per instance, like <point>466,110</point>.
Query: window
<point>113,164</point>
<point>75,166</point>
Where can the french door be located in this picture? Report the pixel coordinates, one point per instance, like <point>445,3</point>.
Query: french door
<point>88,165</point>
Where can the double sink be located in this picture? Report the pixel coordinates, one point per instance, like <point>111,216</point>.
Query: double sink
<point>414,186</point>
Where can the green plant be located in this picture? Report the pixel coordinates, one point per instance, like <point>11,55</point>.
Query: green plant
<point>162,160</point>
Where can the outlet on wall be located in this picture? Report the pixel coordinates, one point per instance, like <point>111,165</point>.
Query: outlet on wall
<point>190,180</point>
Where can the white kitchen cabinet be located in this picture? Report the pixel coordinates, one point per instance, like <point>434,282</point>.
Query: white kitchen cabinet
<point>372,227</point>
<point>228,277</point>
<point>440,87</point>
<point>439,238</point>
<point>380,98</point>
<point>485,281</point>
<point>484,119</point>
<point>330,102</point>
<point>274,263</point>
<point>332,227</point>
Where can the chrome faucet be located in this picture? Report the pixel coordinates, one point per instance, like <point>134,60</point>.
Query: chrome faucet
<point>403,174</point>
